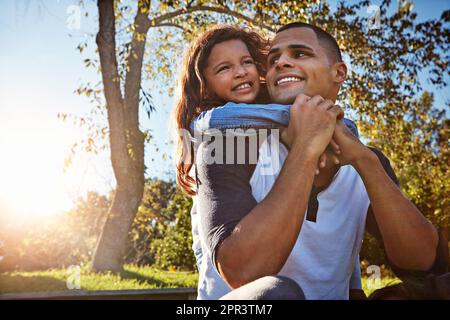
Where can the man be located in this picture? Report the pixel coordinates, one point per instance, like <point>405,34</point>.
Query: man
<point>299,225</point>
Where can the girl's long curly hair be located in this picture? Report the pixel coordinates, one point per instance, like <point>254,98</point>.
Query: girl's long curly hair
<point>192,91</point>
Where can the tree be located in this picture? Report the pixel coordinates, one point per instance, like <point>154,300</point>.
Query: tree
<point>382,86</point>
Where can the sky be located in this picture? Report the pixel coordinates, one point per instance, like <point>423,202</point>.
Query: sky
<point>39,71</point>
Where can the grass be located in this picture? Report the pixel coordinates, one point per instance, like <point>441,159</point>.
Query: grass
<point>134,277</point>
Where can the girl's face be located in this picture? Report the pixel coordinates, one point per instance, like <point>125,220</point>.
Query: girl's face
<point>231,73</point>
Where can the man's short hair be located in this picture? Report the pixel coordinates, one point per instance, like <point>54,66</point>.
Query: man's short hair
<point>326,40</point>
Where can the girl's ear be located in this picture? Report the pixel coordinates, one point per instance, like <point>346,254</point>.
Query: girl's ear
<point>339,72</point>
<point>204,91</point>
<point>208,94</point>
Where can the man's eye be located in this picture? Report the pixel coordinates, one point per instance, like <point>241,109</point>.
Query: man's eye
<point>299,54</point>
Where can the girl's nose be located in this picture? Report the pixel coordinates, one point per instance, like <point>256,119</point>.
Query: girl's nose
<point>240,72</point>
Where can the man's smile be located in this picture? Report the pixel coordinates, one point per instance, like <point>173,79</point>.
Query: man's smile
<point>286,79</point>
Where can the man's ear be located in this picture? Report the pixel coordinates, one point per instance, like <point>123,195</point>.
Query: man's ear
<point>339,72</point>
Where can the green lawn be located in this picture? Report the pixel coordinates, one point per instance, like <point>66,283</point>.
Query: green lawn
<point>134,277</point>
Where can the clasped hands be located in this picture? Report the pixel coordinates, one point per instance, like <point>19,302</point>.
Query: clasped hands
<point>316,128</point>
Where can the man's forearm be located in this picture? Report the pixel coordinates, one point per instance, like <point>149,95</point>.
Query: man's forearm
<point>262,241</point>
<point>410,240</point>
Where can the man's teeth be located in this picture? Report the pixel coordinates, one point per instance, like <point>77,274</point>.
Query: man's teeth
<point>288,79</point>
<point>243,86</point>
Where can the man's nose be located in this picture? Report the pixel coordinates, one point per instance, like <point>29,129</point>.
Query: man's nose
<point>283,62</point>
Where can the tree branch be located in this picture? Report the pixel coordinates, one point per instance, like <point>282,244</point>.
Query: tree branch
<point>134,63</point>
<point>174,25</point>
<point>107,50</point>
<point>224,10</point>
<point>106,44</point>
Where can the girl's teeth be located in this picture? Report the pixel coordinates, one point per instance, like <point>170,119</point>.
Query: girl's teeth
<point>242,86</point>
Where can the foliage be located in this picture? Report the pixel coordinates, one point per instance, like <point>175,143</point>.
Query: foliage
<point>417,145</point>
<point>161,232</point>
<point>149,222</point>
<point>174,251</point>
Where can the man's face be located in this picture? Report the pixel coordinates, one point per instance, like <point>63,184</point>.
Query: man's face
<point>297,63</point>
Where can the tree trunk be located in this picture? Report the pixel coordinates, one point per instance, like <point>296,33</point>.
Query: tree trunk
<point>113,240</point>
<point>126,140</point>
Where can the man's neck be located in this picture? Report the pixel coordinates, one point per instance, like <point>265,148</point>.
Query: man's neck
<point>326,175</point>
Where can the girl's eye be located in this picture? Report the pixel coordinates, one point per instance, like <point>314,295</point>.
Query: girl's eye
<point>222,69</point>
<point>249,62</point>
<point>273,60</point>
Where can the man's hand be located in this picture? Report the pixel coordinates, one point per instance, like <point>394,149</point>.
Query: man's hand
<point>309,118</point>
<point>351,148</point>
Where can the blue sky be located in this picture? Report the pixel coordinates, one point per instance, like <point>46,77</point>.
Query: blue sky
<point>40,69</point>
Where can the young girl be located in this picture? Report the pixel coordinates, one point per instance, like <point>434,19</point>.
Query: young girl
<point>223,65</point>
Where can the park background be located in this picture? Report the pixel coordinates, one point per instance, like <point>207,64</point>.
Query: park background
<point>57,180</point>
